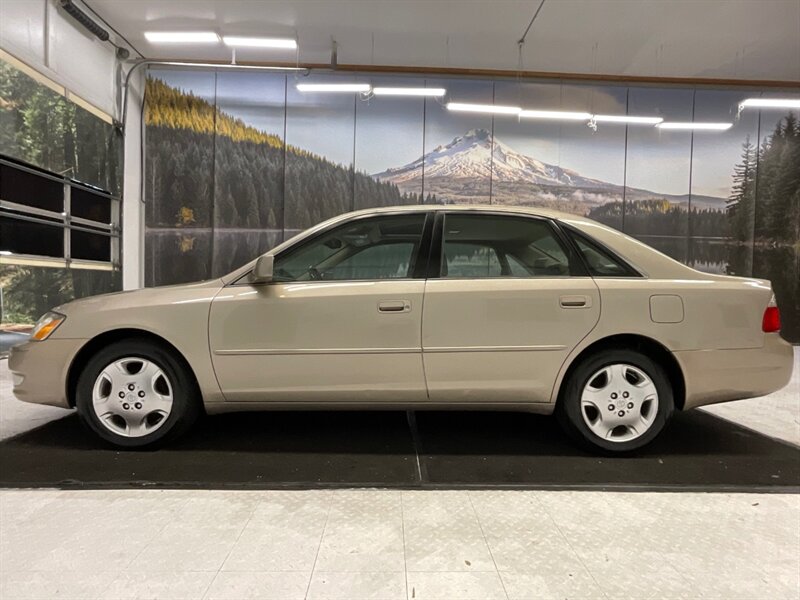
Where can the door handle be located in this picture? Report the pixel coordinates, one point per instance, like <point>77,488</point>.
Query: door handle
<point>575,302</point>
<point>394,306</point>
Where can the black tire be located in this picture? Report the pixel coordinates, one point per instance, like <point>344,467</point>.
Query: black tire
<point>568,409</point>
<point>186,399</point>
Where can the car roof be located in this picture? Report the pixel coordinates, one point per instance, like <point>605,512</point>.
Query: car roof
<point>488,208</point>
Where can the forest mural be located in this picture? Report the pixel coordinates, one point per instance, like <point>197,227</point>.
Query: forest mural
<point>234,164</point>
<point>41,127</point>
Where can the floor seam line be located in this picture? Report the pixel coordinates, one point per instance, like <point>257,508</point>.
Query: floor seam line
<point>403,532</point>
<point>488,547</point>
<point>571,547</point>
<point>138,554</point>
<point>411,417</point>
<point>319,546</point>
<point>228,555</point>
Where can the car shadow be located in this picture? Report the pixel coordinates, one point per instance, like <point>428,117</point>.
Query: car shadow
<point>377,448</point>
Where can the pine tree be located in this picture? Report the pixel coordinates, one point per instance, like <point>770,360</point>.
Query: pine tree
<point>741,203</point>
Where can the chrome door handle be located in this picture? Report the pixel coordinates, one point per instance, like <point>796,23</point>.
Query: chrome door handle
<point>575,302</point>
<point>394,306</point>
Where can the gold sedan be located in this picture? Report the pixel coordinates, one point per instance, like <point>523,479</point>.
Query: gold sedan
<point>419,307</point>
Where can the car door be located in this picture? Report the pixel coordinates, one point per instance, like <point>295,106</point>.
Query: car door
<point>340,322</point>
<point>510,302</point>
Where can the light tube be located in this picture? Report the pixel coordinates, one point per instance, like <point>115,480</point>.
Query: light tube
<point>408,91</point>
<point>333,87</point>
<point>483,108</point>
<point>181,37</point>
<point>696,126</point>
<point>770,103</point>
<point>627,119</point>
<point>555,114</point>
<point>259,42</point>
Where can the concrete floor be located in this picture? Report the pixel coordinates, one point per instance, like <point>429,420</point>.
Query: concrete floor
<point>388,544</point>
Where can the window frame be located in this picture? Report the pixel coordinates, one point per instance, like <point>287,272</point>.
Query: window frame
<point>577,267</point>
<point>419,261</point>
<point>63,220</point>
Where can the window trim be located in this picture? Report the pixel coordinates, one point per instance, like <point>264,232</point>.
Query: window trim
<point>571,233</point>
<point>577,267</point>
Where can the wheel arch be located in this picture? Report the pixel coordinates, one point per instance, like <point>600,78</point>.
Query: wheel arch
<point>647,346</point>
<point>91,347</point>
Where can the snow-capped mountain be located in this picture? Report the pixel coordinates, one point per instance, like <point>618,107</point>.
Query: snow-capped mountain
<point>460,172</point>
<point>473,155</point>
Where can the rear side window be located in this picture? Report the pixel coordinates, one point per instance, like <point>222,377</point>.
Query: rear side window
<point>600,262</point>
<point>482,246</point>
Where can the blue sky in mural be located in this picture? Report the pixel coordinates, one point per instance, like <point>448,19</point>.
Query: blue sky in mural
<point>259,99</point>
<point>321,123</point>
<point>389,128</point>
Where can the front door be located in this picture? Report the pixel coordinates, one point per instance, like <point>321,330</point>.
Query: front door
<point>341,321</point>
<point>505,311</point>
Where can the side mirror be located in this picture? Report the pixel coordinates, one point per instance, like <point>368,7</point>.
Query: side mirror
<point>262,272</point>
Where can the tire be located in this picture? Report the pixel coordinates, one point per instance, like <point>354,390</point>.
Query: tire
<point>615,401</point>
<point>135,393</point>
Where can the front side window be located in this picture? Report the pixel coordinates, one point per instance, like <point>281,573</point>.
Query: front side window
<point>479,246</point>
<point>382,247</point>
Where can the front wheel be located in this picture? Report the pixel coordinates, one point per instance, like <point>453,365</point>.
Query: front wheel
<point>134,393</point>
<point>616,401</point>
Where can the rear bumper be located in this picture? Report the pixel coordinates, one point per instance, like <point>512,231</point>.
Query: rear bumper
<point>39,370</point>
<point>721,375</point>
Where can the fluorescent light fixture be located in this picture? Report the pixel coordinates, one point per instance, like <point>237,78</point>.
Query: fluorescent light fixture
<point>627,119</point>
<point>770,103</point>
<point>555,114</point>
<point>259,42</point>
<point>408,91</point>
<point>484,108</point>
<point>697,126</point>
<point>181,37</point>
<point>333,87</point>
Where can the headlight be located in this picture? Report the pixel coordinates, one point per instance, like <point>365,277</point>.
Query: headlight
<point>46,325</point>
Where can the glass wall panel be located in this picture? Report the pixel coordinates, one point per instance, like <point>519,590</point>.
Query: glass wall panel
<point>457,166</point>
<point>179,175</point>
<point>776,254</point>
<point>389,146</point>
<point>658,171</point>
<point>320,138</point>
<point>248,167</point>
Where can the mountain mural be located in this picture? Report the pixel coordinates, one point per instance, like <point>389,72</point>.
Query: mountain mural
<point>451,172</point>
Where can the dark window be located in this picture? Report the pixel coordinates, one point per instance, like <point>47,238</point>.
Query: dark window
<point>25,237</point>
<point>88,205</point>
<point>382,247</point>
<point>90,246</point>
<point>599,261</point>
<point>31,190</point>
<point>477,246</point>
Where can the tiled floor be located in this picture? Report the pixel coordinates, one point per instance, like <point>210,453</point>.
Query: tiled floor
<point>397,544</point>
<point>379,544</point>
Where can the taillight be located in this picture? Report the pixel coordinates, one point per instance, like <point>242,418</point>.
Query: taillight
<point>772,320</point>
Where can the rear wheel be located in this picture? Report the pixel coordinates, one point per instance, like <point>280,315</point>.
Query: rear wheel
<point>135,393</point>
<point>616,401</point>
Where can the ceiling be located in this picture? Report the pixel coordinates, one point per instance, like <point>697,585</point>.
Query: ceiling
<point>742,39</point>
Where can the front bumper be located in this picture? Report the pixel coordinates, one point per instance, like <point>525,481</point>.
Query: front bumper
<point>39,370</point>
<point>713,376</point>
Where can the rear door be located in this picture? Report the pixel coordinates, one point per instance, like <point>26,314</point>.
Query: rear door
<point>508,304</point>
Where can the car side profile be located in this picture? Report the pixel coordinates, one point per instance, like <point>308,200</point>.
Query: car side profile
<point>419,307</point>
